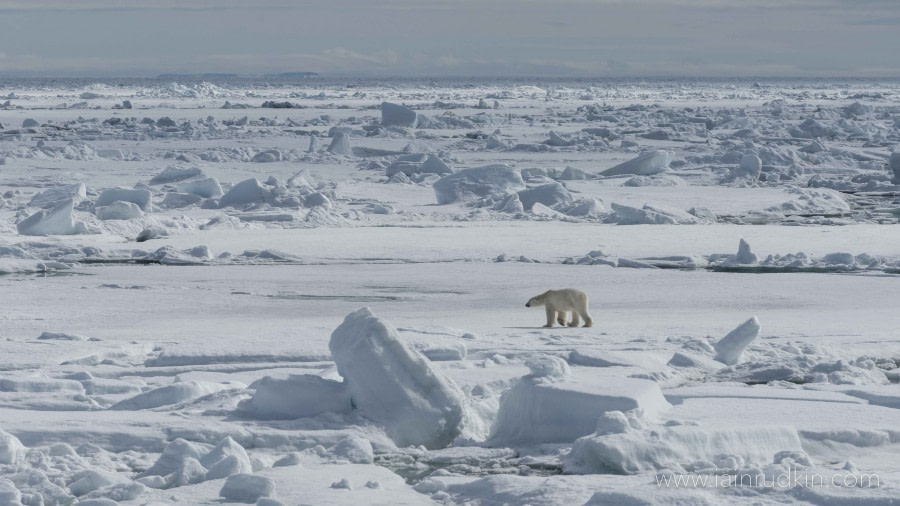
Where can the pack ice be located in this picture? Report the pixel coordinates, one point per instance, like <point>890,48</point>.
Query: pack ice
<point>182,261</point>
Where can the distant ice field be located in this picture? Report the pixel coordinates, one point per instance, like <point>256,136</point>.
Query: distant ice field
<point>313,291</point>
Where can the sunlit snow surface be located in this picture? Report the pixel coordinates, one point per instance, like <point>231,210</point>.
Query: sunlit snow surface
<point>182,272</point>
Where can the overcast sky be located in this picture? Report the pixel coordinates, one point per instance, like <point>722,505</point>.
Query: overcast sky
<point>452,37</point>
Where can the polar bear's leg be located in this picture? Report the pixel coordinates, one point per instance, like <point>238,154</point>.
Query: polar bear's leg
<point>582,308</point>
<point>575,319</point>
<point>587,318</point>
<point>551,315</point>
<point>562,317</point>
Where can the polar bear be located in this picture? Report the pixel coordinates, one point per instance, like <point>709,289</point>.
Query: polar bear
<point>560,302</point>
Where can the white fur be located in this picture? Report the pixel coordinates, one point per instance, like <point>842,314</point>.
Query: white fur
<point>559,303</point>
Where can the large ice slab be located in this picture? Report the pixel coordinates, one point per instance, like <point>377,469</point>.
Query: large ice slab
<point>52,197</point>
<point>394,385</point>
<point>208,187</point>
<point>478,182</point>
<point>541,409</point>
<point>340,145</point>
<point>550,194</point>
<point>729,348</point>
<point>645,164</point>
<point>247,191</point>
<point>398,115</point>
<point>56,221</point>
<point>175,174</point>
<point>652,215</point>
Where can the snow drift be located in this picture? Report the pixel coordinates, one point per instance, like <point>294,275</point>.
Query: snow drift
<point>297,396</point>
<point>681,448</point>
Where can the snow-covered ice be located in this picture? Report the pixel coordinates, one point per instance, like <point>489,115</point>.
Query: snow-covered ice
<point>310,291</point>
<point>394,385</point>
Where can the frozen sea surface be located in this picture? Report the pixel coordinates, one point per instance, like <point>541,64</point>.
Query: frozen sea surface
<point>183,267</point>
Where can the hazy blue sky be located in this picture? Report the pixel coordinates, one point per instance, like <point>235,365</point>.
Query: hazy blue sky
<point>452,37</point>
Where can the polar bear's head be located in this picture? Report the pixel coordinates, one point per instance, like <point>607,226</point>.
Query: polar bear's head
<point>537,300</point>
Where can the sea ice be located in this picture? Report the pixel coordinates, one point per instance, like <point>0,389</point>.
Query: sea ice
<point>340,145</point>
<point>681,448</point>
<point>478,182</point>
<point>207,188</point>
<point>729,348</point>
<point>56,221</point>
<point>175,174</point>
<point>398,115</point>
<point>297,396</point>
<point>394,385</point>
<point>118,210</point>
<point>646,164</point>
<point>247,488</point>
<point>550,406</point>
<point>248,191</point>
<point>550,195</point>
<point>52,197</point>
<point>141,198</point>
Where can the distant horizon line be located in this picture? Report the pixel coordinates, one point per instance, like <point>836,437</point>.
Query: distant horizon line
<point>168,76</point>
